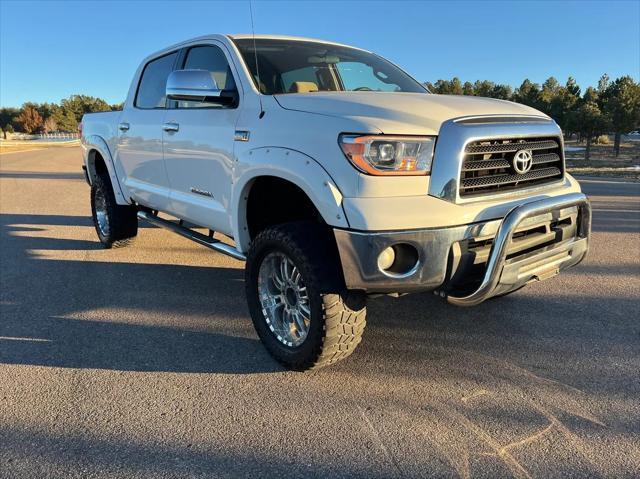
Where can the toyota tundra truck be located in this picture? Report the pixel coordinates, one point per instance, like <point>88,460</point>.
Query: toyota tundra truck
<point>335,176</point>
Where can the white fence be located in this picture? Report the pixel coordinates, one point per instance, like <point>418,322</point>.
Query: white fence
<point>58,136</point>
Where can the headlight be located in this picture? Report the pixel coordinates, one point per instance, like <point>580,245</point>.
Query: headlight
<point>389,155</point>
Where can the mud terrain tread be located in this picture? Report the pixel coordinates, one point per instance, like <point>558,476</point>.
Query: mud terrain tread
<point>340,312</point>
<point>123,221</point>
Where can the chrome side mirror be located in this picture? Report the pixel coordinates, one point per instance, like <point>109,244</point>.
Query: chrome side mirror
<point>192,85</point>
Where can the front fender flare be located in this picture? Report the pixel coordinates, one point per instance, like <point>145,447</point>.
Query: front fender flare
<point>293,166</point>
<point>97,143</point>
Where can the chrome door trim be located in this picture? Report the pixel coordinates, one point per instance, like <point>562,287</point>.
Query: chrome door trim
<point>171,127</point>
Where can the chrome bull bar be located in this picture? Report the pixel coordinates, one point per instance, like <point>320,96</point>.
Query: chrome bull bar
<point>549,262</point>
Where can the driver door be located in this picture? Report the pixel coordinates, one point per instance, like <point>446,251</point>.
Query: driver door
<point>198,146</point>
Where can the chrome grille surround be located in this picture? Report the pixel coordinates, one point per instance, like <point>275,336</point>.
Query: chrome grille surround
<point>511,146</point>
<point>470,149</point>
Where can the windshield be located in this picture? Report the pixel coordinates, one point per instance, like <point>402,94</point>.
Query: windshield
<point>291,66</point>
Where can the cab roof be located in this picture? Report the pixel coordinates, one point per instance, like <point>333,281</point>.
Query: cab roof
<point>242,36</point>
<point>248,36</point>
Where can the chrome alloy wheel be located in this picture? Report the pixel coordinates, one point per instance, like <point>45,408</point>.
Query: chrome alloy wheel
<point>284,299</point>
<point>102,217</point>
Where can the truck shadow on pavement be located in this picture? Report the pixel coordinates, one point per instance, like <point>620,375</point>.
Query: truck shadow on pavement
<point>75,455</point>
<point>87,314</point>
<point>15,222</point>
<point>80,343</point>
<point>175,318</point>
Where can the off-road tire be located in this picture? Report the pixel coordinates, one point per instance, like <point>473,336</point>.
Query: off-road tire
<point>338,316</point>
<point>122,219</point>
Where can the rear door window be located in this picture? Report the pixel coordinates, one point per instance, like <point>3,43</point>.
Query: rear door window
<point>153,84</point>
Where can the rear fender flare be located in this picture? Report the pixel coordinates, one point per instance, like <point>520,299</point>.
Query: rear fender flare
<point>97,144</point>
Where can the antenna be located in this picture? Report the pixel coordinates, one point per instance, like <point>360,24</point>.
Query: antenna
<point>255,55</point>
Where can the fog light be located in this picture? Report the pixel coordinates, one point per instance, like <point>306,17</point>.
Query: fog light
<point>386,258</point>
<point>400,260</point>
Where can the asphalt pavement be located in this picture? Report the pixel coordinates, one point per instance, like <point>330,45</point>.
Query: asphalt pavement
<point>142,362</point>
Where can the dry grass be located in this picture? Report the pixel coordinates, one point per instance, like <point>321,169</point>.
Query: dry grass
<point>9,146</point>
<point>603,161</point>
<point>604,156</point>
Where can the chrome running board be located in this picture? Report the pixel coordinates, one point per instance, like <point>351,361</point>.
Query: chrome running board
<point>199,238</point>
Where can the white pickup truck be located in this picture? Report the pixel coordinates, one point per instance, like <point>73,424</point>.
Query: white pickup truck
<point>335,176</point>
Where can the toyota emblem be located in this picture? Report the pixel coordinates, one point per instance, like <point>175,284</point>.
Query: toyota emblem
<point>522,161</point>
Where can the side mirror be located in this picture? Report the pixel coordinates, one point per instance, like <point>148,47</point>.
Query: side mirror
<point>192,85</point>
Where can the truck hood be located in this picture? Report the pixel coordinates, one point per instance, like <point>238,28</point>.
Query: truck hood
<point>400,113</point>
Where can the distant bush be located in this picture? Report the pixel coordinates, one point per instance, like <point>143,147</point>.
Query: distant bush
<point>48,117</point>
<point>603,140</point>
<point>29,120</point>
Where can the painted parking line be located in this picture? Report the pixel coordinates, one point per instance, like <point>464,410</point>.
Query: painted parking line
<point>35,340</point>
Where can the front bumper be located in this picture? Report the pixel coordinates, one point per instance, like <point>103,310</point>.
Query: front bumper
<point>508,263</point>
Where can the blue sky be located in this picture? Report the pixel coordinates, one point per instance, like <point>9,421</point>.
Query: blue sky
<point>51,49</point>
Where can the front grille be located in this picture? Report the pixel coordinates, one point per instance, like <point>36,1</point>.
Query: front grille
<point>487,166</point>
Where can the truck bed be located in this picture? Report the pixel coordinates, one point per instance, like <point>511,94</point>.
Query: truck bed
<point>103,124</point>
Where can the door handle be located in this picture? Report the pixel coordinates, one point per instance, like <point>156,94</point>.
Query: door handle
<point>170,126</point>
<point>124,126</point>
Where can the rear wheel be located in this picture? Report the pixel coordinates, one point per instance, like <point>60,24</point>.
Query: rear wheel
<point>116,225</point>
<point>297,300</point>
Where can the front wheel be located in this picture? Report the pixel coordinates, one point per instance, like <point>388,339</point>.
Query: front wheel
<point>299,306</point>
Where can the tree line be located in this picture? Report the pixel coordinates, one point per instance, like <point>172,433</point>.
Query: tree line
<point>51,117</point>
<point>611,107</point>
